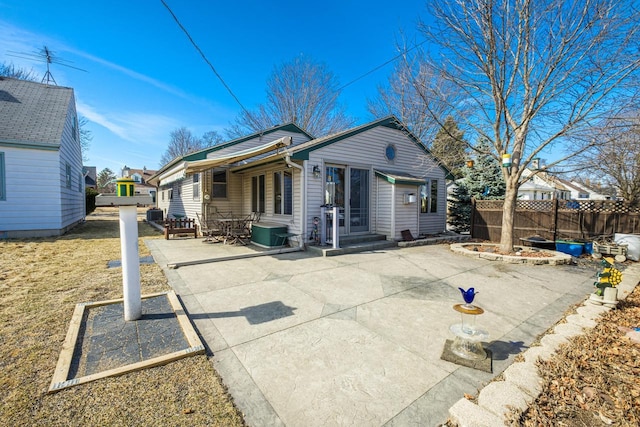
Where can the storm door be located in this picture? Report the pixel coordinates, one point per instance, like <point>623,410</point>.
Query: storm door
<point>341,181</point>
<point>358,200</point>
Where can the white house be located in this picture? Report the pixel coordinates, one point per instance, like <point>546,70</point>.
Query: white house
<point>543,186</point>
<point>140,177</point>
<point>41,175</point>
<point>380,176</point>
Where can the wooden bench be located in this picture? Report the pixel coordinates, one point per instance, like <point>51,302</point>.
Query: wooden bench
<point>180,226</point>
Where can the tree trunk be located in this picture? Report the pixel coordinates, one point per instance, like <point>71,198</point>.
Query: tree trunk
<point>508,216</point>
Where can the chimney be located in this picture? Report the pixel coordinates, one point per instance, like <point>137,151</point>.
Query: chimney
<point>535,163</point>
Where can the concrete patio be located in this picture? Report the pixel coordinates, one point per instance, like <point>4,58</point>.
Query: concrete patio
<point>356,339</point>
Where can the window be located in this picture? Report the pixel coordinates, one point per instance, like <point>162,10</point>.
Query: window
<point>68,175</point>
<point>390,152</point>
<point>170,194</point>
<point>219,185</point>
<point>429,197</point>
<point>196,186</point>
<point>3,178</point>
<point>283,193</point>
<point>80,183</point>
<point>74,128</point>
<point>257,194</point>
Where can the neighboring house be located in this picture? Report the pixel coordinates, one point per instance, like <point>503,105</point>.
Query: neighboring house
<point>379,174</point>
<point>141,176</point>
<point>583,192</point>
<point>538,187</point>
<point>41,175</point>
<point>90,177</point>
<point>544,186</point>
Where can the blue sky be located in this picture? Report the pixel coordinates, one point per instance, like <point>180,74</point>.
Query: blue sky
<point>144,78</point>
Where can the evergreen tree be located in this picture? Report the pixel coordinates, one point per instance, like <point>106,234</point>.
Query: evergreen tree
<point>105,181</point>
<point>450,147</point>
<point>483,181</point>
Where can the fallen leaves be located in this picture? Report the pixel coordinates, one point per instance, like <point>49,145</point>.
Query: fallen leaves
<point>594,379</point>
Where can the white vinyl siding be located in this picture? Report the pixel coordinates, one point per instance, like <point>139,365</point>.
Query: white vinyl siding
<point>51,204</point>
<point>3,179</point>
<point>406,215</point>
<point>20,213</point>
<point>384,208</point>
<point>73,202</point>
<point>367,150</point>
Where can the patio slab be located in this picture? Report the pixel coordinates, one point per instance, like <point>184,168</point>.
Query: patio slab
<point>357,339</point>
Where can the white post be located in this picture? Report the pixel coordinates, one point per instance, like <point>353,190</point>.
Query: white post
<point>336,223</point>
<point>323,226</point>
<point>130,262</point>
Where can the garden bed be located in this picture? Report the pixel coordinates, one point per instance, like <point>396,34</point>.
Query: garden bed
<point>520,254</point>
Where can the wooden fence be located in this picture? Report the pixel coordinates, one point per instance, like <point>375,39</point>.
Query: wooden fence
<point>556,219</point>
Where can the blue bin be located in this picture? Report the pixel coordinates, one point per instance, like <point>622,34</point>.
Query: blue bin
<point>572,248</point>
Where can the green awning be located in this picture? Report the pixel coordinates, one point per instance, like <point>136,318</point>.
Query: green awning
<point>402,178</point>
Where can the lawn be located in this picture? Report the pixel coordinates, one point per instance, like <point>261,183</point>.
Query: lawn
<point>41,281</point>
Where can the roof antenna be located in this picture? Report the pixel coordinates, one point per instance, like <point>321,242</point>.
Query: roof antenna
<point>48,56</point>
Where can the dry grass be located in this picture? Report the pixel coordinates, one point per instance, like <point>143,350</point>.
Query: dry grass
<point>41,281</point>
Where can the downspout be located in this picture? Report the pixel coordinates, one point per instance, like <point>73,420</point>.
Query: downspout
<point>303,196</point>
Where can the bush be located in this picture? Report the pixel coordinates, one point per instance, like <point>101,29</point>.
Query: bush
<point>90,199</point>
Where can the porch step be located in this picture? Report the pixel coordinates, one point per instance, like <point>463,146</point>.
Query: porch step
<point>354,244</point>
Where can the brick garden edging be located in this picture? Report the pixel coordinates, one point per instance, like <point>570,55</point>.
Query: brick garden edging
<point>522,383</point>
<point>558,258</point>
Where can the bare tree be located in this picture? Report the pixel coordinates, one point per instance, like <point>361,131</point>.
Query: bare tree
<point>182,142</point>
<point>533,76</point>
<point>212,138</point>
<point>615,159</point>
<point>86,137</point>
<point>403,97</point>
<point>302,92</point>
<point>9,70</point>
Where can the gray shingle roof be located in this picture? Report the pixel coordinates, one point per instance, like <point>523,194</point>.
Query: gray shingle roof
<point>32,112</point>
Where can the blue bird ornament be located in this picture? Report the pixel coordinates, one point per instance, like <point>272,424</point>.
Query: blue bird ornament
<point>468,295</point>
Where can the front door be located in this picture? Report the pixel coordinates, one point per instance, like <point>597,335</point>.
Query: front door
<point>354,211</point>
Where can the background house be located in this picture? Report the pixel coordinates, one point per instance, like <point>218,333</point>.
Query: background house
<point>383,179</point>
<point>41,176</point>
<point>544,186</point>
<point>90,177</point>
<point>140,176</point>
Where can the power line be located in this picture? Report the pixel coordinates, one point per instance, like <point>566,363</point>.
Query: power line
<point>404,52</point>
<point>195,45</point>
<point>249,115</point>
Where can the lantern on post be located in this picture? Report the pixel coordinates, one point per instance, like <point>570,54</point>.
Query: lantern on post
<point>506,160</point>
<point>125,187</point>
<point>125,192</point>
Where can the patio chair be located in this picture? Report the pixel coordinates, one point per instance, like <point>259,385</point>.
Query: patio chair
<point>210,229</point>
<point>240,229</point>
